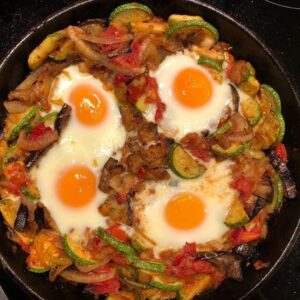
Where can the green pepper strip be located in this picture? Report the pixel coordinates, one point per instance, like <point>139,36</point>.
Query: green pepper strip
<point>8,155</point>
<point>215,64</point>
<point>146,265</point>
<point>23,122</point>
<point>166,287</point>
<point>122,247</point>
<point>42,120</point>
<point>136,284</point>
<point>29,195</point>
<point>220,130</point>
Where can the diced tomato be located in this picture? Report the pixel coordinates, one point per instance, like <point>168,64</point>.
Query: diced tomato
<point>190,249</point>
<point>110,33</point>
<point>134,93</point>
<point>141,173</point>
<point>121,78</point>
<point>116,231</point>
<point>121,198</point>
<point>241,236</point>
<point>110,286</point>
<point>136,46</point>
<point>204,155</point>
<point>15,172</point>
<point>203,266</point>
<point>281,152</point>
<point>153,97</point>
<point>38,131</point>
<point>243,185</point>
<point>97,243</point>
<point>127,60</point>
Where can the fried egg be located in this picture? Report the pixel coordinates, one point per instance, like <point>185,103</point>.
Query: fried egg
<point>68,174</point>
<point>194,101</point>
<point>179,211</point>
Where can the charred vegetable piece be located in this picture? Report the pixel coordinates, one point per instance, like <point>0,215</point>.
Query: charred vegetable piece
<point>211,63</point>
<point>117,244</point>
<point>158,283</point>
<point>22,123</point>
<point>62,118</point>
<point>235,97</point>
<point>63,51</point>
<point>197,286</point>
<point>237,216</point>
<point>233,151</point>
<point>147,265</point>
<point>182,164</point>
<point>245,250</point>
<point>41,52</point>
<point>250,86</point>
<point>272,96</point>
<point>130,12</point>
<point>251,110</point>
<point>77,251</point>
<point>22,220</point>
<point>191,27</point>
<point>141,104</point>
<point>33,158</point>
<point>285,175</point>
<point>277,190</point>
<point>173,19</point>
<point>220,131</point>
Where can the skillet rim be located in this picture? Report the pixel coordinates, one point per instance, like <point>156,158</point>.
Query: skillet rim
<point>280,65</point>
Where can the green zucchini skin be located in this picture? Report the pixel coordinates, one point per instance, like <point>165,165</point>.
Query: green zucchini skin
<point>231,152</point>
<point>182,164</point>
<point>212,63</point>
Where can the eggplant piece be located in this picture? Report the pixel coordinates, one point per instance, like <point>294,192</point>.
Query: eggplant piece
<point>62,118</point>
<point>235,97</point>
<point>259,205</point>
<point>285,175</point>
<point>22,220</point>
<point>245,250</point>
<point>209,255</point>
<point>33,158</point>
<point>39,217</point>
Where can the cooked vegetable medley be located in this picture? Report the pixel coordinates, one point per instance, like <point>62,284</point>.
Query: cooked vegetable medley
<point>140,158</point>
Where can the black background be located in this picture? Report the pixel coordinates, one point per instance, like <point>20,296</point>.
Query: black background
<point>278,27</point>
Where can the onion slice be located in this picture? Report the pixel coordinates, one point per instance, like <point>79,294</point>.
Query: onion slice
<point>87,278</point>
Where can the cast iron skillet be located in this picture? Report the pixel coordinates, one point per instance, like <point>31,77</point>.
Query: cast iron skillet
<point>283,228</point>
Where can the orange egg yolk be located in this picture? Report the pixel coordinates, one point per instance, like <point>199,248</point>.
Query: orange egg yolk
<point>192,88</point>
<point>185,211</point>
<point>77,186</point>
<point>90,104</point>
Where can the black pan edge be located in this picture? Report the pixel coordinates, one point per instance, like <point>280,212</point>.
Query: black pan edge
<point>252,35</point>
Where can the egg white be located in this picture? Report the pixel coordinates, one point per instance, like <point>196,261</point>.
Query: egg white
<point>178,120</point>
<point>213,188</point>
<point>89,146</point>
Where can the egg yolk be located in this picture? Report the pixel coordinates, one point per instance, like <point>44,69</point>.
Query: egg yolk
<point>77,186</point>
<point>185,211</point>
<point>89,103</point>
<point>192,88</point>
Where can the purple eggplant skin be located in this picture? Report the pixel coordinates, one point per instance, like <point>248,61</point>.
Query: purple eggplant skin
<point>22,220</point>
<point>235,97</point>
<point>245,250</point>
<point>280,166</point>
<point>62,118</point>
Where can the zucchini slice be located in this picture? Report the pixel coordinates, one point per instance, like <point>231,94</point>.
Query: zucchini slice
<point>220,131</point>
<point>182,164</point>
<point>76,251</point>
<point>158,283</point>
<point>233,151</point>
<point>251,110</point>
<point>130,12</point>
<point>277,190</point>
<point>174,18</point>
<point>270,131</point>
<point>191,27</point>
<point>237,216</point>
<point>22,123</point>
<point>270,95</point>
<point>63,51</point>
<point>211,63</point>
<point>250,86</point>
<point>41,52</point>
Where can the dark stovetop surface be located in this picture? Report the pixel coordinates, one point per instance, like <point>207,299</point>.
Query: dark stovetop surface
<point>278,27</point>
